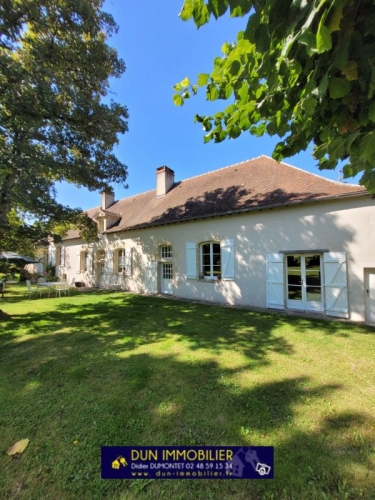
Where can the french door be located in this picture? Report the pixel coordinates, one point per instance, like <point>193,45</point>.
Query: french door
<point>166,278</point>
<point>304,282</point>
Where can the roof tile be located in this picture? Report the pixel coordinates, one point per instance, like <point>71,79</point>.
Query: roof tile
<point>257,183</point>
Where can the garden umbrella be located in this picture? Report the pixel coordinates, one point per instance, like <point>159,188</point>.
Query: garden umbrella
<point>16,258</point>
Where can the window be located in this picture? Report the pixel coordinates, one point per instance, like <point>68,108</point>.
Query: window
<point>210,260</point>
<point>100,225</point>
<point>58,256</point>
<point>120,260</point>
<point>83,262</point>
<point>87,263</point>
<point>45,257</point>
<point>216,260</point>
<point>166,252</point>
<point>101,259</point>
<point>304,279</point>
<point>167,271</point>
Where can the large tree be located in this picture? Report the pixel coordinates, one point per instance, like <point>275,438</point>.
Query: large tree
<point>304,70</point>
<point>56,123</point>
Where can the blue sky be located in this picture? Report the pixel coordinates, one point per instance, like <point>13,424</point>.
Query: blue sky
<point>159,50</point>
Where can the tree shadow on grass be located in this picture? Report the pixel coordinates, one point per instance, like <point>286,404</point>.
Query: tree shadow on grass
<point>133,320</point>
<point>72,393</point>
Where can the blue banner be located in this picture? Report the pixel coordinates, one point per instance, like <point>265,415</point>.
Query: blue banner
<point>187,462</point>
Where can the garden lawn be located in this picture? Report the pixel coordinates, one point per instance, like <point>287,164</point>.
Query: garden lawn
<point>99,369</point>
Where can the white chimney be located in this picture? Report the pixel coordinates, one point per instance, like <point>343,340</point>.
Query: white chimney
<point>108,199</point>
<point>164,180</point>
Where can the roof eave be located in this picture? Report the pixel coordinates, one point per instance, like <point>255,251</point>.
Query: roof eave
<point>245,210</point>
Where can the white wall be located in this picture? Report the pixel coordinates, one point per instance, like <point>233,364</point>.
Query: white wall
<point>337,226</point>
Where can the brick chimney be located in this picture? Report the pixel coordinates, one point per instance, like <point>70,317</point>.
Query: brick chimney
<point>107,199</point>
<point>164,180</point>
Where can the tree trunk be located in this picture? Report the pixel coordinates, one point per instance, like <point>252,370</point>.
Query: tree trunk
<point>5,199</point>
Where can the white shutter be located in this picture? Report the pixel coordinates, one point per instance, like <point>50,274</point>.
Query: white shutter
<point>191,260</point>
<point>150,277</point>
<point>82,262</point>
<point>227,259</point>
<point>275,281</point>
<point>90,261</point>
<point>115,260</point>
<point>51,256</point>
<point>109,261</point>
<point>128,262</point>
<point>335,284</point>
<point>78,262</point>
<point>57,255</point>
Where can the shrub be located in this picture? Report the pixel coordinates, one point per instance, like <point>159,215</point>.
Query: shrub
<point>25,275</point>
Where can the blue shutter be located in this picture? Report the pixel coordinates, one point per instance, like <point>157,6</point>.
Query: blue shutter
<point>335,284</point>
<point>191,260</point>
<point>78,262</point>
<point>227,259</point>
<point>109,269</point>
<point>150,277</point>
<point>90,261</point>
<point>275,281</point>
<point>128,262</point>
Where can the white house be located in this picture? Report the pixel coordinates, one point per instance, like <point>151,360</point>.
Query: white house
<point>258,233</point>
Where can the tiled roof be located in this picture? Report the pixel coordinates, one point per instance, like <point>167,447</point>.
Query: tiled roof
<point>250,185</point>
<point>108,212</point>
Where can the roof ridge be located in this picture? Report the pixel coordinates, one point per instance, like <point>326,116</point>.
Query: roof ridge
<point>133,196</point>
<point>312,173</point>
<point>222,168</point>
<point>189,178</point>
<point>234,165</point>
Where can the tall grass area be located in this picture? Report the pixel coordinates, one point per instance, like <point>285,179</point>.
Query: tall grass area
<point>99,369</point>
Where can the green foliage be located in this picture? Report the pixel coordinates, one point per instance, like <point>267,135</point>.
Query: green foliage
<point>25,275</point>
<point>20,237</point>
<point>304,71</point>
<point>55,67</point>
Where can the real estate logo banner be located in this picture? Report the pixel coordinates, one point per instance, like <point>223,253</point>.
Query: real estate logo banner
<point>187,462</point>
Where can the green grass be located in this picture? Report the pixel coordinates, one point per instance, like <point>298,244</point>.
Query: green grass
<point>99,369</point>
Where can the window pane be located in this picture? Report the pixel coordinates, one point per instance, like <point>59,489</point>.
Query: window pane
<point>294,279</point>
<point>216,260</point>
<point>216,248</point>
<point>294,261</point>
<point>312,262</point>
<point>294,270</point>
<point>211,259</point>
<point>166,251</point>
<point>120,260</point>
<point>206,249</point>
<point>206,259</point>
<point>294,293</point>
<point>313,270</point>
<point>313,293</point>
<point>207,270</point>
<point>313,277</point>
<point>167,271</point>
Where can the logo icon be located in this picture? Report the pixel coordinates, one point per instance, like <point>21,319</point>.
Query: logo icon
<point>119,461</point>
<point>262,469</point>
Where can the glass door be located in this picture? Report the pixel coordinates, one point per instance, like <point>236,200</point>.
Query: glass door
<point>304,282</point>
<point>166,278</point>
